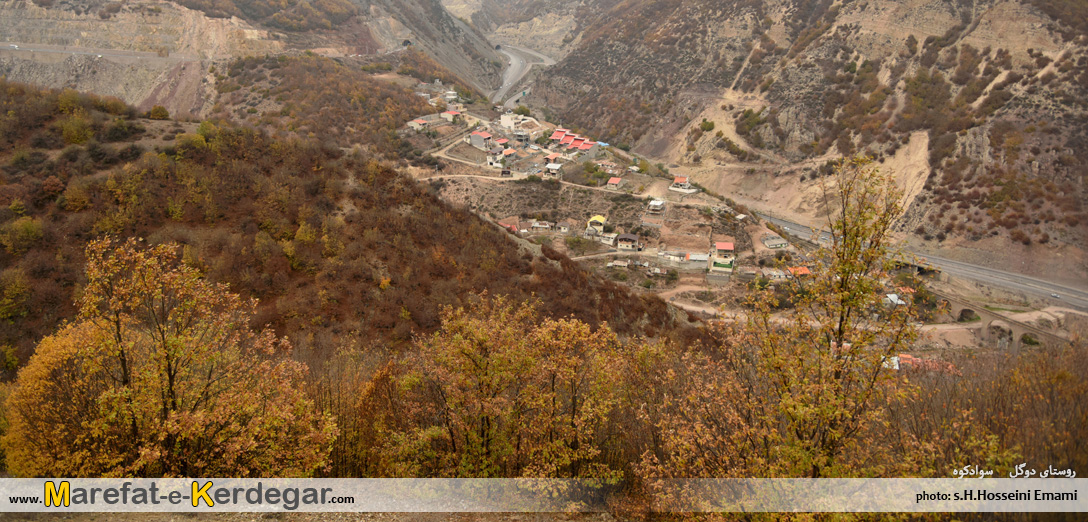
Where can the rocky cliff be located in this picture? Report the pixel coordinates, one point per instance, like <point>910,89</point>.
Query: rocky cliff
<point>159,52</point>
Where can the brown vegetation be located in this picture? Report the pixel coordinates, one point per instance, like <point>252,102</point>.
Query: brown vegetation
<point>292,15</point>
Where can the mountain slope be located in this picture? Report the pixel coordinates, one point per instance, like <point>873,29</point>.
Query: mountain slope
<point>997,87</point>
<point>339,249</point>
<point>136,51</point>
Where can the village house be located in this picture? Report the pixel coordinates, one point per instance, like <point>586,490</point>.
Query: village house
<point>608,238</point>
<point>417,124</point>
<point>627,242</point>
<point>563,139</point>
<point>512,121</point>
<point>479,139</point>
<point>541,226</point>
<point>656,206</point>
<point>773,241</point>
<point>565,226</point>
<point>553,171</point>
<point>450,116</point>
<point>494,157</point>
<point>723,257</point>
<point>510,223</point>
<point>618,263</point>
<point>747,273</point>
<point>614,183</point>
<point>774,274</point>
<point>697,258</point>
<point>596,224</point>
<point>797,272</point>
<point>682,185</point>
<point>558,134</point>
<point>723,249</point>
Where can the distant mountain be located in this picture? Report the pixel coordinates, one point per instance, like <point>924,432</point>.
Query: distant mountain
<point>171,34</point>
<point>989,97</point>
<point>455,44</point>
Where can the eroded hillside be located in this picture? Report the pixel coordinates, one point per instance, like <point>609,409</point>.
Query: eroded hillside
<point>159,53</point>
<point>756,90</point>
<point>339,248</point>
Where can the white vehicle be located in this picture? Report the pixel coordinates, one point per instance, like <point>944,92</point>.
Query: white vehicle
<point>1055,296</point>
<point>13,46</point>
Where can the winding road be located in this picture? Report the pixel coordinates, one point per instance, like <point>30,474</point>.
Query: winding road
<point>521,60</point>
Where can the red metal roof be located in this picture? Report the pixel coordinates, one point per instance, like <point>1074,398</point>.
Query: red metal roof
<point>723,245</point>
<point>614,181</point>
<point>501,141</point>
<point>419,120</point>
<point>680,179</point>
<point>567,139</point>
<point>558,135</point>
<point>454,113</point>
<point>508,152</point>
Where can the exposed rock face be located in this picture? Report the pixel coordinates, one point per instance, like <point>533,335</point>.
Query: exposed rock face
<point>145,54</point>
<point>552,27</point>
<point>159,27</point>
<point>154,52</point>
<point>454,43</point>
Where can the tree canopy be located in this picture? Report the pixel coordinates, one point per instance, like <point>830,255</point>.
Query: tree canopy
<point>161,375</point>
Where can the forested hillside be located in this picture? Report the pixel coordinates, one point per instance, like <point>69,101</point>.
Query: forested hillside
<point>334,246</point>
<point>163,371</point>
<point>312,96</point>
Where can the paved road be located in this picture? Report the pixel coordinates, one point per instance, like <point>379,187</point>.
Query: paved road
<point>1069,296</point>
<point>521,60</point>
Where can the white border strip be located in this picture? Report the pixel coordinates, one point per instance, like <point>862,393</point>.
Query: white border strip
<point>540,495</point>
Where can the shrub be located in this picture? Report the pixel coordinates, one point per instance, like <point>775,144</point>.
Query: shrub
<point>19,235</point>
<point>158,112</point>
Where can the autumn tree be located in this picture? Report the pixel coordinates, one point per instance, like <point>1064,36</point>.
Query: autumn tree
<point>161,375</point>
<point>800,394</point>
<point>158,112</point>
<point>500,391</point>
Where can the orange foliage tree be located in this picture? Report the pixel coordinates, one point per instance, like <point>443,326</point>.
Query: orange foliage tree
<point>161,376</point>
<point>806,393</point>
<point>500,391</point>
